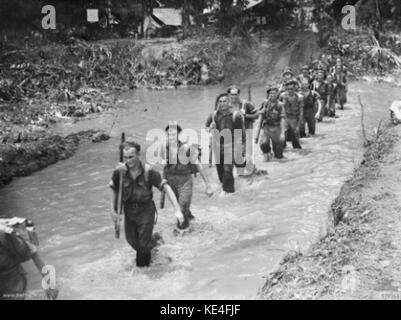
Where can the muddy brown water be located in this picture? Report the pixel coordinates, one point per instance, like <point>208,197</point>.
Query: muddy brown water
<point>235,241</point>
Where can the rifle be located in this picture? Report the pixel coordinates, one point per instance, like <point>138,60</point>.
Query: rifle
<point>214,110</point>
<point>252,139</point>
<point>120,192</point>
<point>210,152</point>
<point>260,124</point>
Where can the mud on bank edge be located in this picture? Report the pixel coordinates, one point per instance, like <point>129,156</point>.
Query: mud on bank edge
<point>22,159</point>
<point>351,261</point>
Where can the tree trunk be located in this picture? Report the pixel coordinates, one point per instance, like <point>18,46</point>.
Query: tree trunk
<point>185,18</point>
<point>143,19</point>
<point>379,15</point>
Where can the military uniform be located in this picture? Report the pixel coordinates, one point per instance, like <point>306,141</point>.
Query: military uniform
<point>14,250</point>
<point>310,102</point>
<point>305,78</point>
<point>139,209</point>
<point>340,77</point>
<point>179,176</point>
<point>293,105</point>
<point>248,110</point>
<point>331,99</point>
<point>272,115</point>
<point>224,150</point>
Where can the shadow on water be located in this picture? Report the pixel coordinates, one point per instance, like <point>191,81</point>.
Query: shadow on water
<point>236,240</point>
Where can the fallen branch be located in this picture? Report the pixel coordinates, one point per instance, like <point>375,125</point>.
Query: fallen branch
<point>378,129</point>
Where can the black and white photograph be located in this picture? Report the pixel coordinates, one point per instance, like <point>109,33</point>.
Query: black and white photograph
<point>200,153</point>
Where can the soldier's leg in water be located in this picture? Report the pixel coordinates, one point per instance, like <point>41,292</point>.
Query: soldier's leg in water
<point>288,135</point>
<point>311,121</point>
<point>228,180</point>
<point>285,134</point>
<point>324,103</point>
<point>302,126</point>
<point>274,134</point>
<point>220,171</point>
<point>185,198</point>
<point>145,223</point>
<point>294,133</point>
<point>332,108</point>
<point>345,94</point>
<point>341,97</point>
<point>325,109</point>
<point>265,144</point>
<point>131,232</point>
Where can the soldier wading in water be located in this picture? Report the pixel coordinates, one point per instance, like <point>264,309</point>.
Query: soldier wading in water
<point>138,204</point>
<point>226,120</point>
<point>273,122</point>
<point>182,161</point>
<point>312,109</point>
<point>18,244</point>
<point>294,109</point>
<point>250,114</point>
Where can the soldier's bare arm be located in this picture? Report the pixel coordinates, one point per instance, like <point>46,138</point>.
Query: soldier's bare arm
<point>173,200</point>
<point>319,104</point>
<point>283,124</point>
<point>51,293</point>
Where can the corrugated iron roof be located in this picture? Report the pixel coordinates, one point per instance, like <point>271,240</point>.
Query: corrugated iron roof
<point>252,3</point>
<point>169,16</point>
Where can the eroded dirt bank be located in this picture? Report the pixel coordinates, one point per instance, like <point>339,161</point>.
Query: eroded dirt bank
<point>22,159</point>
<point>360,258</point>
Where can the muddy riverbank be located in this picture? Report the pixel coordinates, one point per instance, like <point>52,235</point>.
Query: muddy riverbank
<point>359,258</point>
<point>22,159</point>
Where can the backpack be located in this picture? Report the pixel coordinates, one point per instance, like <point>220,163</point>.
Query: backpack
<point>199,154</point>
<point>235,114</point>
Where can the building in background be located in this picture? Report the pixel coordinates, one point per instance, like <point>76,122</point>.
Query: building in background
<point>164,22</point>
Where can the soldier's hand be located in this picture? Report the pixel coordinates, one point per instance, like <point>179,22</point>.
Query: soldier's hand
<point>317,116</point>
<point>52,294</point>
<point>282,137</point>
<point>121,167</point>
<point>114,216</point>
<point>182,224</point>
<point>180,217</point>
<point>209,191</point>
